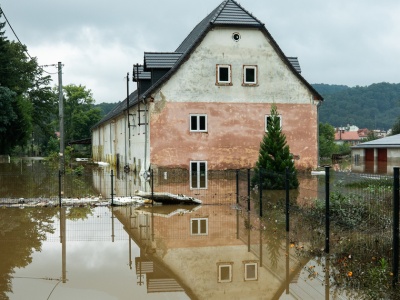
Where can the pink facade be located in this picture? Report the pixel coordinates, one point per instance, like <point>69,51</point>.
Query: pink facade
<point>234,133</point>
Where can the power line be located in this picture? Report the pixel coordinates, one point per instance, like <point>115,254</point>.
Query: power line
<point>2,11</point>
<point>26,49</point>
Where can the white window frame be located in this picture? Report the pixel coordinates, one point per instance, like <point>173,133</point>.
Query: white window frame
<point>224,82</point>
<point>266,121</point>
<point>245,81</point>
<point>198,175</point>
<point>198,117</point>
<point>224,265</point>
<point>195,223</point>
<point>248,264</point>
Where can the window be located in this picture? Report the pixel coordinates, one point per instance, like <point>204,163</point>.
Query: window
<point>268,119</point>
<point>224,75</point>
<point>198,123</point>
<point>224,272</point>
<point>198,174</point>
<point>199,226</point>
<point>249,75</point>
<point>250,271</point>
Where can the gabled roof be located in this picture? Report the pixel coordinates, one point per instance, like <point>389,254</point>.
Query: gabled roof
<point>347,136</point>
<point>228,13</point>
<point>392,141</point>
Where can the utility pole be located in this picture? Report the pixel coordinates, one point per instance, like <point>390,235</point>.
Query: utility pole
<point>61,116</point>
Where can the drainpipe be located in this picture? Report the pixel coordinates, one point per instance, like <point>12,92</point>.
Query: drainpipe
<point>318,154</point>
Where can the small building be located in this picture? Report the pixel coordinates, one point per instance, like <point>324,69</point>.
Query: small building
<point>377,156</point>
<point>344,136</point>
<point>205,105</point>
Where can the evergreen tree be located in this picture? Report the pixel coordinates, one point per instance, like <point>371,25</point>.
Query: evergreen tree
<point>274,157</point>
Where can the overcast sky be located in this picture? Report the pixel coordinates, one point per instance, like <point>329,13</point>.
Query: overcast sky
<point>350,42</point>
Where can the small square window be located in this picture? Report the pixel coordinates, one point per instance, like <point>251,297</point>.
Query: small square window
<point>250,271</point>
<point>198,123</point>
<point>199,226</point>
<point>249,75</point>
<point>268,119</point>
<point>224,272</point>
<point>224,75</point>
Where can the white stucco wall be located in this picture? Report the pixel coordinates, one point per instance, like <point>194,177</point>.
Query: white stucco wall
<point>195,80</point>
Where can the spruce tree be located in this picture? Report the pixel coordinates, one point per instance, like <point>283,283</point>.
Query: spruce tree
<point>274,157</point>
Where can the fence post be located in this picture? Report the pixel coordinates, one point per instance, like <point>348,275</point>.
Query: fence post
<point>327,209</point>
<point>248,189</point>
<point>260,183</point>
<point>237,186</point>
<point>59,187</point>
<point>287,197</point>
<point>395,226</point>
<point>152,187</point>
<point>112,187</point>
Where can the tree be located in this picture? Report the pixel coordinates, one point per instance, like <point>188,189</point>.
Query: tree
<point>327,144</point>
<point>23,88</point>
<point>274,157</point>
<point>396,127</point>
<point>79,112</point>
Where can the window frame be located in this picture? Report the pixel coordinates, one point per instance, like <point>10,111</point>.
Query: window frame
<point>198,220</point>
<point>198,175</point>
<point>266,122</point>
<point>224,265</point>
<point>246,264</point>
<point>198,117</point>
<point>250,83</point>
<point>223,82</point>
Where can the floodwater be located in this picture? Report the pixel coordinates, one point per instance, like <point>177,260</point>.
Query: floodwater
<point>153,252</point>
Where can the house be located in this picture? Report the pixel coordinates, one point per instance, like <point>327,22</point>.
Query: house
<point>377,156</point>
<point>344,136</point>
<point>205,105</point>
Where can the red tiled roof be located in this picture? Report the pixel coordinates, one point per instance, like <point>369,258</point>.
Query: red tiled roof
<point>347,136</point>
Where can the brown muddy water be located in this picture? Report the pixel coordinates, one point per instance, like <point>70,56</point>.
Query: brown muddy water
<point>153,252</point>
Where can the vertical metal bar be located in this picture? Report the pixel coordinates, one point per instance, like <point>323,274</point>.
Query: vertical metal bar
<point>327,221</point>
<point>112,187</point>
<point>395,270</point>
<point>59,187</point>
<point>237,186</point>
<point>152,187</point>
<point>287,264</point>
<point>248,189</point>
<point>61,116</point>
<point>287,198</point>
<point>260,189</point>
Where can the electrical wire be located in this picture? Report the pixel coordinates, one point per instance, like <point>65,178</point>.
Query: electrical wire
<point>12,29</point>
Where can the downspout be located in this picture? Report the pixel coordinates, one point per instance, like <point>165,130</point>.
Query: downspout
<point>318,156</point>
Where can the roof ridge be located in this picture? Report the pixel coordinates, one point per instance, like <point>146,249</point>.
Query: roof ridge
<point>219,10</point>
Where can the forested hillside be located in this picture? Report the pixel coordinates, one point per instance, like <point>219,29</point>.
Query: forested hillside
<point>374,107</point>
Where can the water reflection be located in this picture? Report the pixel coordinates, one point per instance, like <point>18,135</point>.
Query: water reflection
<point>169,252</point>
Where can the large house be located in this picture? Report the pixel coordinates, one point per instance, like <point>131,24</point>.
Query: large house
<point>205,105</point>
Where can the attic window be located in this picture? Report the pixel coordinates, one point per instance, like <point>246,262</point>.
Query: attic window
<point>236,36</point>
<point>224,75</point>
<point>250,75</point>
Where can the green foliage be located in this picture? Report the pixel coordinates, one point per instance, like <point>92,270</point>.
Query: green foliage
<point>105,108</point>
<point>327,144</point>
<point>344,149</point>
<point>374,107</point>
<point>24,96</point>
<point>396,127</point>
<point>274,157</point>
<point>79,112</point>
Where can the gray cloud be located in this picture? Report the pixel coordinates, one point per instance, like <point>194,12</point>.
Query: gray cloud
<point>337,41</point>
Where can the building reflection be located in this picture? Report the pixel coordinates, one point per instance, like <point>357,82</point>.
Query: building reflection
<point>209,252</point>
